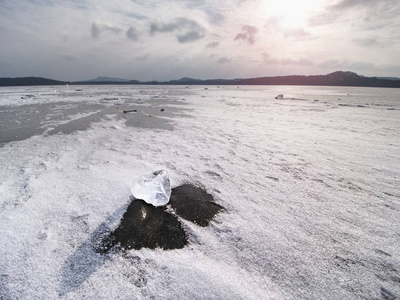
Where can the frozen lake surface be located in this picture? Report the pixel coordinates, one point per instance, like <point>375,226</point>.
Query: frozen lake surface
<point>309,185</point>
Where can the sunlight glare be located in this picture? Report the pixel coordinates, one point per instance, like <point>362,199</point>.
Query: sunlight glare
<point>291,13</point>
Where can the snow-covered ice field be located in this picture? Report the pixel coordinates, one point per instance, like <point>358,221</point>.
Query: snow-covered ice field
<point>310,185</point>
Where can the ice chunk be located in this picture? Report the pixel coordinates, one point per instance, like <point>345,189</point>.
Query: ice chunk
<point>155,188</point>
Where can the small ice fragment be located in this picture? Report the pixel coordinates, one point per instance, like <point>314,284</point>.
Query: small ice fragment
<point>154,189</point>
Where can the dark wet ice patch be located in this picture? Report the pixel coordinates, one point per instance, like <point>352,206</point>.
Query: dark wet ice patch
<point>194,204</point>
<point>149,118</point>
<point>146,226</point>
<point>24,121</point>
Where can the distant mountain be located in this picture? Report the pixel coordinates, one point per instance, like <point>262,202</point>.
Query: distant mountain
<point>134,82</point>
<point>189,81</point>
<point>389,78</point>
<point>339,78</point>
<point>185,80</point>
<point>5,81</point>
<point>107,79</point>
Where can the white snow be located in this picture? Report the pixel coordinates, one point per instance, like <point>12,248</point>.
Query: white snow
<point>310,190</point>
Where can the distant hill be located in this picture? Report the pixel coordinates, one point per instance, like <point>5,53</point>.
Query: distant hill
<point>339,78</point>
<point>190,81</point>
<point>5,81</point>
<point>108,79</point>
<point>185,80</point>
<point>182,81</point>
<point>105,80</point>
<point>389,78</point>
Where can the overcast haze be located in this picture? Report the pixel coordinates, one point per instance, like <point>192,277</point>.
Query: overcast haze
<point>162,40</point>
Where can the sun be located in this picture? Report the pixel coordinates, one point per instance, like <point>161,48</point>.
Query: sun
<point>291,13</point>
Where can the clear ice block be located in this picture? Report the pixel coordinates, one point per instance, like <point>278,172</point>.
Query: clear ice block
<point>154,189</point>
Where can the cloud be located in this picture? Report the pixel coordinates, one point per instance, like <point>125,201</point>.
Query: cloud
<point>214,17</point>
<point>97,29</point>
<point>132,34</point>
<point>275,23</point>
<point>352,31</point>
<point>369,13</point>
<point>179,23</point>
<point>212,45</point>
<point>298,62</point>
<point>286,61</point>
<point>248,34</point>
<point>295,32</point>
<point>211,9</point>
<point>241,36</point>
<point>189,30</point>
<point>346,4</point>
<point>334,64</point>
<point>142,57</point>
<point>190,36</point>
<point>367,42</point>
<point>361,65</point>
<point>67,57</point>
<point>223,60</point>
<point>136,16</point>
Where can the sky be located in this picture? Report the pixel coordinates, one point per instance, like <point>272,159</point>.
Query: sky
<point>164,40</point>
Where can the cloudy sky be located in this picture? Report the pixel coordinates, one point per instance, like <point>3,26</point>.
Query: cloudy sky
<point>162,40</point>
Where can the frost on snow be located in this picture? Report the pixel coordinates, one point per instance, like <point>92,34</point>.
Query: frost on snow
<point>154,189</point>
